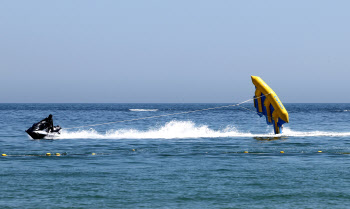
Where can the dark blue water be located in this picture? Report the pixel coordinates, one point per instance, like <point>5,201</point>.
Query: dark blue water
<point>192,160</point>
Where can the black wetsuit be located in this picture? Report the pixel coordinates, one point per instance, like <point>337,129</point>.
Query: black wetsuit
<point>48,123</point>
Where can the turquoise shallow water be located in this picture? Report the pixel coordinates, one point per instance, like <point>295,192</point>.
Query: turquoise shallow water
<point>193,160</point>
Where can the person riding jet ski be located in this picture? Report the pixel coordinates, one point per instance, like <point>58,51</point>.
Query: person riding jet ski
<point>43,128</point>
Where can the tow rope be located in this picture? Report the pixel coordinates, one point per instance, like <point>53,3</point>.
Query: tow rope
<point>179,113</point>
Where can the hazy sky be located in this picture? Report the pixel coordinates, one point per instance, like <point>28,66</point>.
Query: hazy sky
<point>173,51</point>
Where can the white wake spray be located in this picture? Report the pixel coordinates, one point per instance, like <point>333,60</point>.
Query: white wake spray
<point>289,132</point>
<point>171,130</point>
<point>183,130</point>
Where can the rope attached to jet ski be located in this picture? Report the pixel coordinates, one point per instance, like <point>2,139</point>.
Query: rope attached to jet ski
<point>179,113</point>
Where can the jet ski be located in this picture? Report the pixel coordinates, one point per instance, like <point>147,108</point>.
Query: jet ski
<point>43,129</point>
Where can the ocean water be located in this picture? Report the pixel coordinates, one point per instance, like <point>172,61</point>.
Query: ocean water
<point>194,160</point>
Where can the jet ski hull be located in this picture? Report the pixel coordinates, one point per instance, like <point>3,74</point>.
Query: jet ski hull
<point>37,134</point>
<point>42,134</point>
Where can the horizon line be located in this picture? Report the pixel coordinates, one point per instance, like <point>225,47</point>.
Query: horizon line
<point>250,102</point>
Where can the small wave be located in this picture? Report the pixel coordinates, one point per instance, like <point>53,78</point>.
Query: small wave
<point>144,110</point>
<point>346,110</point>
<point>184,130</point>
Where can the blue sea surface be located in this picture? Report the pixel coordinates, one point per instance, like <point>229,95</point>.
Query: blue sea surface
<point>194,160</point>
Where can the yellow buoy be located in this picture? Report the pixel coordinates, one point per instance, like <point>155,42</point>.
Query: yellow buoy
<point>4,155</point>
<point>245,151</point>
<point>133,150</point>
<point>93,153</point>
<point>282,152</point>
<point>319,151</point>
<point>48,154</point>
<point>58,154</point>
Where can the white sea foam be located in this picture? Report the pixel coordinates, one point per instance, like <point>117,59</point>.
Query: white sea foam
<point>186,129</point>
<point>346,110</point>
<point>143,110</point>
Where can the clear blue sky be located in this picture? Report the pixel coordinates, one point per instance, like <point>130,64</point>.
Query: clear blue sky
<point>173,51</point>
